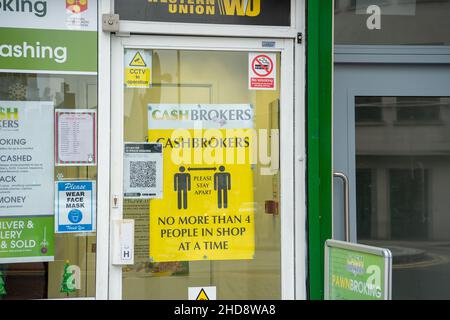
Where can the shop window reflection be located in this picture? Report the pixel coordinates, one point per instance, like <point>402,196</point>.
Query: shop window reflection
<point>418,110</point>
<point>42,280</point>
<point>402,182</point>
<point>368,110</point>
<point>407,22</point>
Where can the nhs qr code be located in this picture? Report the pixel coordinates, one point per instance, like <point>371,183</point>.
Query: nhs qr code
<point>143,174</point>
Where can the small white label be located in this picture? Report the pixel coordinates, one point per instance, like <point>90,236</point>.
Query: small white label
<point>126,253</point>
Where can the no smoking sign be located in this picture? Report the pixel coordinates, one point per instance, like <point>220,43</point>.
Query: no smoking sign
<point>262,71</point>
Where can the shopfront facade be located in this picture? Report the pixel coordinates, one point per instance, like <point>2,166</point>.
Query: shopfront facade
<point>152,149</point>
<point>183,149</point>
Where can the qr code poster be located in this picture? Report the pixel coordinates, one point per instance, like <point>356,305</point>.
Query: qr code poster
<point>142,171</point>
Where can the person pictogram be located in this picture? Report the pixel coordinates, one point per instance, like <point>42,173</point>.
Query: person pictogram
<point>182,184</point>
<point>222,183</point>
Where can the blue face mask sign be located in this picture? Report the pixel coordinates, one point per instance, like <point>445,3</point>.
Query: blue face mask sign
<point>75,206</point>
<point>75,216</point>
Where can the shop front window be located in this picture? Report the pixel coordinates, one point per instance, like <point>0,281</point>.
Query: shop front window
<point>402,178</point>
<point>214,216</point>
<point>45,181</point>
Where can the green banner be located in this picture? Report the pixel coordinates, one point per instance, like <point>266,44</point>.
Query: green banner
<point>356,275</point>
<point>26,239</point>
<point>48,50</point>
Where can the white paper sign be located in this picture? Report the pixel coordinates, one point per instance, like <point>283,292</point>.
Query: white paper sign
<point>75,206</point>
<point>142,170</point>
<point>26,161</point>
<point>76,137</point>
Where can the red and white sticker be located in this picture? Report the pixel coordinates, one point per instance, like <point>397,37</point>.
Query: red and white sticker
<point>262,71</point>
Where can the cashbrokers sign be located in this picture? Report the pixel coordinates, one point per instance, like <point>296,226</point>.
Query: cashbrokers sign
<point>239,12</point>
<point>207,207</point>
<point>48,36</point>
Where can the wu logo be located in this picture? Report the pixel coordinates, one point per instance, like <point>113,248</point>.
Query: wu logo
<point>249,8</point>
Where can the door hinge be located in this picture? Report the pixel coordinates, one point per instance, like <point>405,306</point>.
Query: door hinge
<point>299,38</point>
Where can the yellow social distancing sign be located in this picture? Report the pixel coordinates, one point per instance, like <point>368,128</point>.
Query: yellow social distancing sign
<point>138,68</point>
<point>207,208</point>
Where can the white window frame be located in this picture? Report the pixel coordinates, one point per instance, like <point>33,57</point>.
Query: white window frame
<point>285,47</point>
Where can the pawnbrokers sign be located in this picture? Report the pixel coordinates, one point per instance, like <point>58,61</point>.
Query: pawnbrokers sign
<point>357,272</point>
<point>243,12</point>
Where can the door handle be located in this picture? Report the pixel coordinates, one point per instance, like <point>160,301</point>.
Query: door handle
<point>344,179</point>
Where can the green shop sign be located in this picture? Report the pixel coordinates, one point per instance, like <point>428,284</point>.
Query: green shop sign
<point>357,272</point>
<point>38,50</point>
<point>26,239</point>
<point>48,36</point>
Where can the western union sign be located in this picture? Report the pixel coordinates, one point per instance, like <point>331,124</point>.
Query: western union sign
<point>244,12</point>
<point>192,7</point>
<point>251,8</point>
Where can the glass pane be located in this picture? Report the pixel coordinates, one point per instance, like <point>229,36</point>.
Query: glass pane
<point>368,110</point>
<point>419,110</point>
<point>408,202</point>
<point>209,92</point>
<point>392,22</point>
<point>364,202</point>
<point>402,178</point>
<point>76,251</point>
